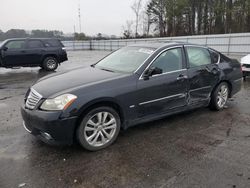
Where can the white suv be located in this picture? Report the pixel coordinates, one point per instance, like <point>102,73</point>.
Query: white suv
<point>245,62</point>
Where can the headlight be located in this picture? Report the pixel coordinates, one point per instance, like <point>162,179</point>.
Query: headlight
<point>61,102</point>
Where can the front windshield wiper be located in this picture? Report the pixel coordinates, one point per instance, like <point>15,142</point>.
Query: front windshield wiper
<point>107,70</point>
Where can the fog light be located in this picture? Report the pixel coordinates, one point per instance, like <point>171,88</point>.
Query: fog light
<point>47,136</point>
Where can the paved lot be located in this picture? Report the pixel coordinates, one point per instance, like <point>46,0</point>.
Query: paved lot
<point>195,149</point>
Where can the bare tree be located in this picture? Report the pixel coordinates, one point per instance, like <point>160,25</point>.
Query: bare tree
<point>127,31</point>
<point>137,7</point>
<point>147,21</point>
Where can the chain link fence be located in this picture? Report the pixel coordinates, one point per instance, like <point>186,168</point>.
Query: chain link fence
<point>230,44</point>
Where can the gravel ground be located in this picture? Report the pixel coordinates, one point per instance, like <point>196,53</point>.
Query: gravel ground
<point>200,148</point>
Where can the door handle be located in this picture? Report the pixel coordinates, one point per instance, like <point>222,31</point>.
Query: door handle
<point>182,77</point>
<point>23,51</point>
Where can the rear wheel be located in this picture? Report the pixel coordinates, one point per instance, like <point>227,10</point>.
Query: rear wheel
<point>219,96</point>
<point>50,64</point>
<point>99,128</point>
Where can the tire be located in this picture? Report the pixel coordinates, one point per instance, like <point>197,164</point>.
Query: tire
<point>219,96</point>
<point>244,78</point>
<point>50,64</point>
<point>93,134</point>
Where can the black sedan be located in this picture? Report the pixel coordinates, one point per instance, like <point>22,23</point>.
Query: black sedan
<point>132,85</point>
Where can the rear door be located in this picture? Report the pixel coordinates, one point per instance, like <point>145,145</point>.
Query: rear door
<point>203,73</point>
<point>34,51</point>
<point>163,92</point>
<point>15,53</point>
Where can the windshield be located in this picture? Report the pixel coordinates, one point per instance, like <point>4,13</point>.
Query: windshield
<point>126,60</point>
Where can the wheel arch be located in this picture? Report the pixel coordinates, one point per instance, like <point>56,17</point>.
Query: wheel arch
<point>110,102</point>
<point>229,85</point>
<point>50,55</point>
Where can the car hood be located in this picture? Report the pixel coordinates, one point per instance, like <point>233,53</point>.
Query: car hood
<point>245,60</point>
<point>52,86</point>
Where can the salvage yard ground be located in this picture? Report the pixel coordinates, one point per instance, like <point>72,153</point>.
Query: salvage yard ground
<point>200,148</point>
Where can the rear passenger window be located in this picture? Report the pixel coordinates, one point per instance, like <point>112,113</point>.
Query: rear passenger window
<point>35,44</point>
<point>53,43</point>
<point>198,56</point>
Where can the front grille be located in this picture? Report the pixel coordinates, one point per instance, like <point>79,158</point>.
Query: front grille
<point>33,99</point>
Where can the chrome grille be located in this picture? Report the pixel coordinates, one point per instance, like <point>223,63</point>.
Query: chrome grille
<point>33,99</point>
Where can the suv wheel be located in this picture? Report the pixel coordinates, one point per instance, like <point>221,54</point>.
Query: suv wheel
<point>219,96</point>
<point>50,63</point>
<point>99,128</point>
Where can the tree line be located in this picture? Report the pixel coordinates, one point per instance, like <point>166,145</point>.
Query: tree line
<point>188,17</point>
<point>20,33</point>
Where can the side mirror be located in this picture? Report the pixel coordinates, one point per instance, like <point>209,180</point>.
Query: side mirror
<point>152,71</point>
<point>4,48</point>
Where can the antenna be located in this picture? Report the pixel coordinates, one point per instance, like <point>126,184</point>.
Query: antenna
<point>79,15</point>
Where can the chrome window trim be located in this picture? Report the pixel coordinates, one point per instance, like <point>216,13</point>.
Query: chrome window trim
<point>173,47</point>
<point>216,53</point>
<point>193,45</point>
<point>157,75</point>
<point>180,95</point>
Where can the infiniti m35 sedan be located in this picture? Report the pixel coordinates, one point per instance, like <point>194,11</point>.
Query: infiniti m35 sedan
<point>132,85</point>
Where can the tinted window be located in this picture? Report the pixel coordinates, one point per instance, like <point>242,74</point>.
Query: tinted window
<point>171,60</point>
<point>215,56</point>
<point>35,44</point>
<point>198,56</point>
<point>52,43</point>
<point>127,59</point>
<point>18,44</point>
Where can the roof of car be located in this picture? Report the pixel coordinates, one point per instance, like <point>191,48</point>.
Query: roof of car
<point>31,39</point>
<point>157,45</point>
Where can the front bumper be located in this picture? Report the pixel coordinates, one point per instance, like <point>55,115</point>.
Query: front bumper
<point>246,73</point>
<point>48,127</point>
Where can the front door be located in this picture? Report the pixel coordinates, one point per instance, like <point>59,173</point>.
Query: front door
<point>203,74</point>
<point>166,91</point>
<point>14,54</point>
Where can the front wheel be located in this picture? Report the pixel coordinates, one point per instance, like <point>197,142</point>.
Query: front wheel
<point>219,96</point>
<point>99,128</point>
<point>50,64</point>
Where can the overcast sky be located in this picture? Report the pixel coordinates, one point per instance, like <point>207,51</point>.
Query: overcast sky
<point>104,16</point>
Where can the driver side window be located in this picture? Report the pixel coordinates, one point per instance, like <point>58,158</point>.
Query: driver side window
<point>19,44</point>
<point>170,60</point>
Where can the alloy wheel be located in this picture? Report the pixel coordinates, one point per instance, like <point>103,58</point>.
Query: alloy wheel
<point>100,129</point>
<point>222,96</point>
<point>51,64</point>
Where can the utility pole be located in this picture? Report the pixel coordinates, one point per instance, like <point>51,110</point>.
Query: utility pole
<point>74,32</point>
<point>79,15</point>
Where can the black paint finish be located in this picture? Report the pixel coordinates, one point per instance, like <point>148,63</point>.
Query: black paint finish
<point>31,56</point>
<point>136,99</point>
